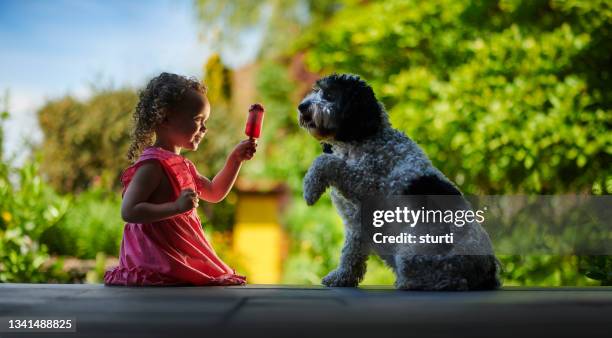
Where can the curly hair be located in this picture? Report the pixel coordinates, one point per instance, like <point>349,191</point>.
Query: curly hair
<point>162,93</point>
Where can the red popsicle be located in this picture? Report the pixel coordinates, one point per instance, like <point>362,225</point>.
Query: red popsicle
<point>254,121</point>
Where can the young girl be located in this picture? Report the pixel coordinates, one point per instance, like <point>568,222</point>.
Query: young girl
<point>163,242</point>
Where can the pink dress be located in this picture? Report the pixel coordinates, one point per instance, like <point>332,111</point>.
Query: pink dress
<point>173,251</point>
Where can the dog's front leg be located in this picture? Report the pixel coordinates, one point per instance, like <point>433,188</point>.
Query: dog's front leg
<point>330,170</point>
<point>317,178</point>
<point>352,265</point>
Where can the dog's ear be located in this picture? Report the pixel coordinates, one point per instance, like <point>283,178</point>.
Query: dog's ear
<point>361,114</point>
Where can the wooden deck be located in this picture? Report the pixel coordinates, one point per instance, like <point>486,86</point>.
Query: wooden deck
<point>293,311</point>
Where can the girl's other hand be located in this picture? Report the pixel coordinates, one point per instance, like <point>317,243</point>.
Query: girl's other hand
<point>245,150</point>
<point>187,200</point>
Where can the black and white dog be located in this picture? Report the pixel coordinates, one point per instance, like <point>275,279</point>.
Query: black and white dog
<point>363,157</point>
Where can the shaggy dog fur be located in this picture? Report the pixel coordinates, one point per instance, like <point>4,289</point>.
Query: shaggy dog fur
<point>363,157</point>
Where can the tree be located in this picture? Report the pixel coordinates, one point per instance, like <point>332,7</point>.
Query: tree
<point>224,22</point>
<point>86,140</point>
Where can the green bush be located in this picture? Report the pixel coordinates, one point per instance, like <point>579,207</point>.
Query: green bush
<point>316,233</point>
<point>28,207</point>
<point>86,139</point>
<point>92,224</point>
<point>597,267</point>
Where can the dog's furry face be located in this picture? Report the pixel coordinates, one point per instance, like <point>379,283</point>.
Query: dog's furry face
<point>340,107</point>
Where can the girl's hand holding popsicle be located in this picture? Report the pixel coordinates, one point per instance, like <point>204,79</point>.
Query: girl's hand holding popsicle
<point>247,148</point>
<point>244,150</point>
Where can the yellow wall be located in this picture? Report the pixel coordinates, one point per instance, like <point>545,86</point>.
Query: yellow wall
<point>258,237</point>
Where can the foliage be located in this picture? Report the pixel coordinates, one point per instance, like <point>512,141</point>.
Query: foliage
<point>96,275</point>
<point>218,80</point>
<point>225,22</point>
<point>92,225</point>
<point>86,140</point>
<point>597,268</point>
<point>544,270</point>
<point>317,236</point>
<point>28,206</point>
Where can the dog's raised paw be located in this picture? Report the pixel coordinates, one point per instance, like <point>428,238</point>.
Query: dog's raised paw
<point>313,189</point>
<point>311,197</point>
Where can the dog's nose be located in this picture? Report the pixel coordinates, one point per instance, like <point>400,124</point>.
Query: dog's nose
<point>303,107</point>
<point>305,114</point>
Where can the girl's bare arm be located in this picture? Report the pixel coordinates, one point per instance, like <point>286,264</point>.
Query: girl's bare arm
<point>135,208</point>
<point>215,191</point>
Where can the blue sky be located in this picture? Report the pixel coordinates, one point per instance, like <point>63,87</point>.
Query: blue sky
<point>52,48</point>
